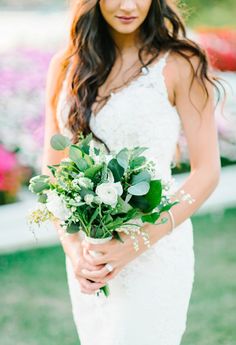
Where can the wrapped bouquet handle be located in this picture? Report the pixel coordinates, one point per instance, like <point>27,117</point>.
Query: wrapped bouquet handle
<point>95,253</point>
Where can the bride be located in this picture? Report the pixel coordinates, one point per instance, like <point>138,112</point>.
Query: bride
<point>131,77</point>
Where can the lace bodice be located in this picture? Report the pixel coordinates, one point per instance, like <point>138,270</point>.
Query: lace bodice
<point>140,114</point>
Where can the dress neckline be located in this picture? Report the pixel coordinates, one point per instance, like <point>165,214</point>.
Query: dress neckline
<point>131,83</point>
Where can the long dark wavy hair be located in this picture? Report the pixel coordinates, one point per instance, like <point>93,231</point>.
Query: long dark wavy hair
<point>91,53</point>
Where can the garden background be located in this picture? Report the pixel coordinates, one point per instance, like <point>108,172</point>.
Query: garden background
<point>34,304</point>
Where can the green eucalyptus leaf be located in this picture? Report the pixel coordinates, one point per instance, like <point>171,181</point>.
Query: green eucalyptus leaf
<point>39,187</point>
<point>143,175</point>
<point>59,142</point>
<point>75,153</point>
<point>123,158</point>
<point>137,162</point>
<point>140,188</point>
<point>82,164</point>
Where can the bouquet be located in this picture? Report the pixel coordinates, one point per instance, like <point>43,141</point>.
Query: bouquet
<point>100,194</point>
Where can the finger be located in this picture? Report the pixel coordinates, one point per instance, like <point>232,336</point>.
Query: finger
<point>89,286</point>
<point>98,274</point>
<point>90,267</point>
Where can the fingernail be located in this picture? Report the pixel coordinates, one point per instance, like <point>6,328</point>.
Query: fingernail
<point>84,271</point>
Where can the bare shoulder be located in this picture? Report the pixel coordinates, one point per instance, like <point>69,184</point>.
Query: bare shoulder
<point>181,67</point>
<point>56,62</point>
<point>53,75</point>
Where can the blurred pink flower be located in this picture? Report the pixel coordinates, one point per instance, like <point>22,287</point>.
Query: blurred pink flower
<point>10,172</point>
<point>8,160</point>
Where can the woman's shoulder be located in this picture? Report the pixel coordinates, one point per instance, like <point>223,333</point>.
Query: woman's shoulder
<point>183,67</point>
<point>54,74</point>
<point>57,61</point>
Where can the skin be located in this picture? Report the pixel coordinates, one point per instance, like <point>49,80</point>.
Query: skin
<point>200,131</point>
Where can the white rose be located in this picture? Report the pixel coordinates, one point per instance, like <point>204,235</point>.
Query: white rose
<point>108,192</point>
<point>56,206</point>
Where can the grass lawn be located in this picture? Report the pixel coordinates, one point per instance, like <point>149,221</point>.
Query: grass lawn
<point>35,306</point>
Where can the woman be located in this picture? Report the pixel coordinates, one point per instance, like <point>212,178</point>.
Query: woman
<point>162,84</point>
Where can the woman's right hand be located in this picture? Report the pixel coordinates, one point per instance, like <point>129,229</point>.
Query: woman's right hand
<point>75,254</point>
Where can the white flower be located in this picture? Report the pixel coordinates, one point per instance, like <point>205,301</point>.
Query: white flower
<point>57,206</point>
<point>85,182</point>
<point>88,198</point>
<point>78,198</point>
<point>108,192</point>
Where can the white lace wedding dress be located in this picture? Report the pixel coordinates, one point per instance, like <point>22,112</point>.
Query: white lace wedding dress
<point>149,298</point>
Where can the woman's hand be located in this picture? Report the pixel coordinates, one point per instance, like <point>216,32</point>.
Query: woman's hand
<point>75,254</point>
<point>114,252</point>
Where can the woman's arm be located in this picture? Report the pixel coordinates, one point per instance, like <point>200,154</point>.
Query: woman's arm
<point>201,134</point>
<point>199,127</point>
<point>51,156</point>
<point>71,244</point>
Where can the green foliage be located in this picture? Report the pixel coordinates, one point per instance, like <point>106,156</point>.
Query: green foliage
<point>92,171</point>
<point>75,153</point>
<point>212,13</point>
<point>72,228</point>
<point>137,162</point>
<point>151,218</point>
<point>151,200</point>
<point>143,175</point>
<point>123,158</point>
<point>59,142</point>
<point>140,188</point>
<point>125,191</point>
<point>116,168</point>
<point>39,183</point>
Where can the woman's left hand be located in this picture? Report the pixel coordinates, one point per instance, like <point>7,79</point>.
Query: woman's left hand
<point>114,252</point>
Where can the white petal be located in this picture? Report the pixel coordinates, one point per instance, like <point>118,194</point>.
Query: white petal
<point>119,188</point>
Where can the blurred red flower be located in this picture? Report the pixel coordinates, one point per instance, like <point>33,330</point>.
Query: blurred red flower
<point>220,45</point>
